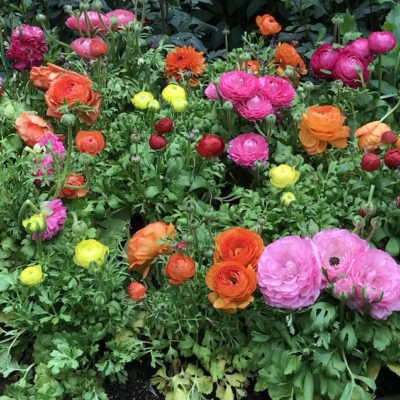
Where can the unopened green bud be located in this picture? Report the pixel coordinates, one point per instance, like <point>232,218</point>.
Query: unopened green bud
<point>114,21</point>
<point>84,6</point>
<point>261,221</point>
<point>188,239</point>
<point>337,20</point>
<point>338,84</point>
<point>271,119</point>
<point>376,222</point>
<point>309,86</point>
<point>209,215</point>
<point>136,159</point>
<point>209,253</point>
<point>289,72</point>
<point>227,106</point>
<point>40,18</point>
<point>85,159</point>
<point>79,228</point>
<point>358,222</point>
<point>96,5</point>
<point>195,224</point>
<point>68,119</point>
<point>245,57</point>
<point>135,138</point>
<point>68,9</point>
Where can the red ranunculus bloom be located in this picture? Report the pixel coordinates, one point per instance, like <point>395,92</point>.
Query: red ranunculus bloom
<point>210,146</point>
<point>157,142</point>
<point>392,158</point>
<point>164,125</point>
<point>370,162</point>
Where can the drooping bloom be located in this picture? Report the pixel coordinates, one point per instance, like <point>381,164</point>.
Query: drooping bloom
<point>179,268</point>
<point>27,47</point>
<point>90,142</point>
<point>248,148</point>
<point>31,128</point>
<point>370,135</point>
<point>322,125</point>
<point>348,67</point>
<point>360,48</point>
<point>211,92</point>
<point>89,48</point>
<point>52,147</point>
<point>277,90</point>
<point>72,193</point>
<point>35,223</point>
<point>283,175</point>
<point>381,42</point>
<point>210,146</point>
<point>123,17</point>
<point>237,86</point>
<point>289,273</point>
<point>94,22</point>
<point>55,214</point>
<point>286,55</point>
<point>32,275</point>
<point>267,25</point>
<point>324,57</point>
<point>41,77</point>
<point>90,251</point>
<point>255,108</point>
<point>136,291</point>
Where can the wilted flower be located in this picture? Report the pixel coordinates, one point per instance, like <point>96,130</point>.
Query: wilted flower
<point>31,128</point>
<point>370,135</point>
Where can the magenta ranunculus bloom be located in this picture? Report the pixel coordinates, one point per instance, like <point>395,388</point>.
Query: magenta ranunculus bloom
<point>55,214</point>
<point>237,86</point>
<point>27,47</point>
<point>94,22</point>
<point>360,48</point>
<point>343,287</point>
<point>324,57</point>
<point>248,148</point>
<point>211,92</point>
<point>83,47</point>
<point>53,146</point>
<point>381,42</point>
<point>254,108</point>
<point>374,274</point>
<point>346,69</point>
<point>277,90</point>
<point>338,249</point>
<point>123,17</point>
<point>289,273</point>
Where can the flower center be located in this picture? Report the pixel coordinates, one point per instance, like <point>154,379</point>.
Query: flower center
<point>333,261</point>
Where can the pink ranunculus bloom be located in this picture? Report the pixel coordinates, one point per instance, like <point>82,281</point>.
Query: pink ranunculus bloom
<point>27,47</point>
<point>360,48</point>
<point>255,108</point>
<point>338,249</point>
<point>248,148</point>
<point>211,92</point>
<point>381,42</point>
<point>375,273</point>
<point>237,86</point>
<point>346,69</point>
<point>53,146</point>
<point>94,22</point>
<point>289,273</point>
<point>324,57</point>
<point>123,17</point>
<point>343,287</point>
<point>277,90</point>
<point>89,48</point>
<point>55,214</point>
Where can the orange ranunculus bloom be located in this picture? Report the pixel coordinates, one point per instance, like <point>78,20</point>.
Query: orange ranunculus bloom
<point>322,125</point>
<point>240,245</point>
<point>268,25</point>
<point>369,135</point>
<point>252,66</point>
<point>397,144</point>
<point>97,47</point>
<point>72,87</point>
<point>179,268</point>
<point>232,285</point>
<point>143,247</point>
<point>31,128</point>
<point>184,59</point>
<point>41,77</point>
<point>91,142</point>
<point>74,180</point>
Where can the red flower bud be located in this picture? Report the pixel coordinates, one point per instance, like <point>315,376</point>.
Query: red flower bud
<point>210,146</point>
<point>398,202</point>
<point>389,137</point>
<point>370,162</point>
<point>362,212</point>
<point>164,125</point>
<point>136,291</point>
<point>392,158</point>
<point>157,142</point>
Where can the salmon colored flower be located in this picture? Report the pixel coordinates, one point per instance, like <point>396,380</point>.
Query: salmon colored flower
<point>91,142</point>
<point>136,291</point>
<point>179,268</point>
<point>240,245</point>
<point>32,128</point>
<point>253,66</point>
<point>184,59</point>
<point>370,135</point>
<point>267,25</point>
<point>41,77</point>
<point>322,125</point>
<point>72,193</point>
<point>232,285</point>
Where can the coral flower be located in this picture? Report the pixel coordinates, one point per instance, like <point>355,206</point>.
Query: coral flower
<point>253,66</point>
<point>370,135</point>
<point>123,17</point>
<point>237,86</point>
<point>248,148</point>
<point>55,214</point>
<point>90,142</point>
<point>184,59</point>
<point>179,268</point>
<point>232,285</point>
<point>72,193</point>
<point>286,55</point>
<point>72,87</point>
<point>240,245</point>
<point>267,25</point>
<point>136,291</point>
<point>94,22</point>
<point>41,77</point>
<point>322,125</point>
<point>32,128</point>
<point>89,48</point>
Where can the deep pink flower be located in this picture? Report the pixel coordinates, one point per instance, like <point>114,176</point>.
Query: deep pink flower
<point>53,146</point>
<point>360,48</point>
<point>211,92</point>
<point>289,273</point>
<point>277,90</point>
<point>346,69</point>
<point>94,22</point>
<point>381,42</point>
<point>374,274</point>
<point>237,86</point>
<point>254,108</point>
<point>123,17</point>
<point>89,48</point>
<point>343,287</point>
<point>55,214</point>
<point>324,57</point>
<point>27,47</point>
<point>248,148</point>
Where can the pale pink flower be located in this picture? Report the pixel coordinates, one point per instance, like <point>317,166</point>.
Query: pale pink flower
<point>343,288</point>
<point>289,273</point>
<point>94,22</point>
<point>255,108</point>
<point>248,148</point>
<point>123,17</point>
<point>277,90</point>
<point>211,92</point>
<point>55,214</point>
<point>237,86</point>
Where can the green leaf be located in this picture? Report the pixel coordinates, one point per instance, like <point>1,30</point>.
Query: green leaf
<point>151,192</point>
<point>228,395</point>
<point>382,337</point>
<point>393,247</point>
<point>394,368</point>
<point>346,395</point>
<point>348,337</point>
<point>205,384</point>
<point>322,315</point>
<point>309,386</point>
<point>349,23</point>
<point>293,365</point>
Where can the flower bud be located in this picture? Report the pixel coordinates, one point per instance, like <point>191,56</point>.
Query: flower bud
<point>96,5</point>
<point>309,86</point>
<point>358,222</point>
<point>289,72</point>
<point>100,299</point>
<point>261,221</point>
<point>114,22</point>
<point>287,198</point>
<point>209,253</point>
<point>246,57</point>
<point>40,18</point>
<point>337,20</point>
<point>188,239</point>
<point>68,119</point>
<point>35,224</point>
<point>179,105</point>
<point>338,84</point>
<point>362,212</point>
<point>226,31</point>
<point>227,106</point>
<point>84,6</point>
<point>154,105</point>
<point>157,142</point>
<point>79,228</point>
<point>135,138</point>
<point>392,158</point>
<point>68,9</point>
<point>136,159</point>
<point>209,215</point>
<point>376,222</point>
<point>195,224</point>
<point>398,201</point>
<point>295,43</point>
<point>271,120</point>
<point>136,291</point>
<point>368,209</point>
<point>370,162</point>
<point>85,159</point>
<point>389,137</point>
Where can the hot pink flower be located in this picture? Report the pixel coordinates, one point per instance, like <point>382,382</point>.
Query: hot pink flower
<point>289,273</point>
<point>94,22</point>
<point>277,90</point>
<point>27,47</point>
<point>53,146</point>
<point>55,214</point>
<point>375,274</point>
<point>255,108</point>
<point>324,57</point>
<point>248,148</point>
<point>89,48</point>
<point>123,17</point>
<point>381,42</point>
<point>346,69</point>
<point>237,86</point>
<point>211,92</point>
<point>360,48</point>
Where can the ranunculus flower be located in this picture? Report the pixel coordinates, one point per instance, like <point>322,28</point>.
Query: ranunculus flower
<point>267,25</point>
<point>53,146</point>
<point>179,268</point>
<point>136,291</point>
<point>143,247</point>
<point>375,273</point>
<point>141,100</point>
<point>324,57</point>
<point>338,249</point>
<point>287,198</point>
<point>41,77</point>
<point>347,68</point>
<point>343,288</point>
<point>74,180</point>
<point>392,158</point>
<point>360,48</point>
<point>164,125</point>
<point>255,108</point>
<point>389,137</point>
<point>90,251</point>
<point>172,92</point>
<point>32,128</point>
<point>89,48</point>
<point>248,148</point>
<point>94,22</point>
<point>32,275</point>
<point>157,142</point>
<point>283,175</point>
<point>289,273</point>
<point>72,87</point>
<point>232,285</point>
<point>55,214</point>
<point>237,86</point>
<point>253,66</point>
<point>370,162</point>
<point>90,142</point>
<point>211,92</point>
<point>179,105</point>
<point>35,223</point>
<point>123,17</point>
<point>277,90</point>
<point>26,47</point>
<point>210,146</point>
<point>239,245</point>
<point>381,42</point>
<point>370,135</point>
<point>322,125</point>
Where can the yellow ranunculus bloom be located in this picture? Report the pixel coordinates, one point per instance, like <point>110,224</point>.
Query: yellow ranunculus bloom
<point>35,224</point>
<point>173,92</point>
<point>154,105</point>
<point>88,251</point>
<point>141,100</point>
<point>287,198</point>
<point>32,276</point>
<point>283,175</point>
<point>179,105</point>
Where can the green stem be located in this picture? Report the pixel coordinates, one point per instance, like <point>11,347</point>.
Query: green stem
<point>61,183</point>
<point>371,193</point>
<point>163,17</point>
<point>341,313</point>
<point>390,112</point>
<point>111,33</point>
<point>396,68</point>
<point>27,203</point>
<point>380,74</point>
<point>3,54</point>
<point>88,32</point>
<point>38,242</point>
